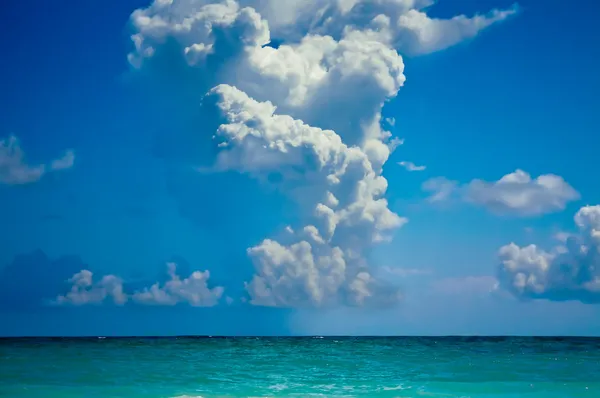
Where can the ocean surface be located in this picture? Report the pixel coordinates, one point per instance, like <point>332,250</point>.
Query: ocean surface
<point>300,367</point>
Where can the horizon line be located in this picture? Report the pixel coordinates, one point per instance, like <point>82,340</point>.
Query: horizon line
<point>206,336</point>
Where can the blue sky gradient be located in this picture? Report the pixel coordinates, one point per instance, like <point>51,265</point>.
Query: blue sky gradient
<point>521,94</point>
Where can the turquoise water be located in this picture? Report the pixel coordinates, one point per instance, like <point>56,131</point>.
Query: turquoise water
<point>300,367</point>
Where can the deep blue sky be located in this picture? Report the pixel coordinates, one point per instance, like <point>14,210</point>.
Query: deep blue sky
<point>523,94</point>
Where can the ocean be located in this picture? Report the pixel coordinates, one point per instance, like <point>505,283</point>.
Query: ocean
<point>300,367</point>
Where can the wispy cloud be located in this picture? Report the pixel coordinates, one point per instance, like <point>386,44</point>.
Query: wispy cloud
<point>515,193</point>
<point>406,272</point>
<point>410,166</point>
<point>66,162</point>
<point>440,189</point>
<point>15,170</point>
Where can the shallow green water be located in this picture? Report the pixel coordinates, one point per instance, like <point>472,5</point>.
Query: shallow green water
<point>301,367</point>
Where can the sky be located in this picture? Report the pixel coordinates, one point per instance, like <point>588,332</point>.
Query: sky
<point>258,167</point>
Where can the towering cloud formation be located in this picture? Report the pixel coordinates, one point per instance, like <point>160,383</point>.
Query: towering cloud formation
<point>570,272</point>
<point>339,195</point>
<point>304,117</point>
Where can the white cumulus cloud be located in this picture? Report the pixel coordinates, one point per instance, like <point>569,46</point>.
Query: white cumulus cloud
<point>195,27</point>
<point>519,193</point>
<point>193,290</point>
<point>567,272</point>
<point>84,290</point>
<point>15,170</point>
<point>515,193</point>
